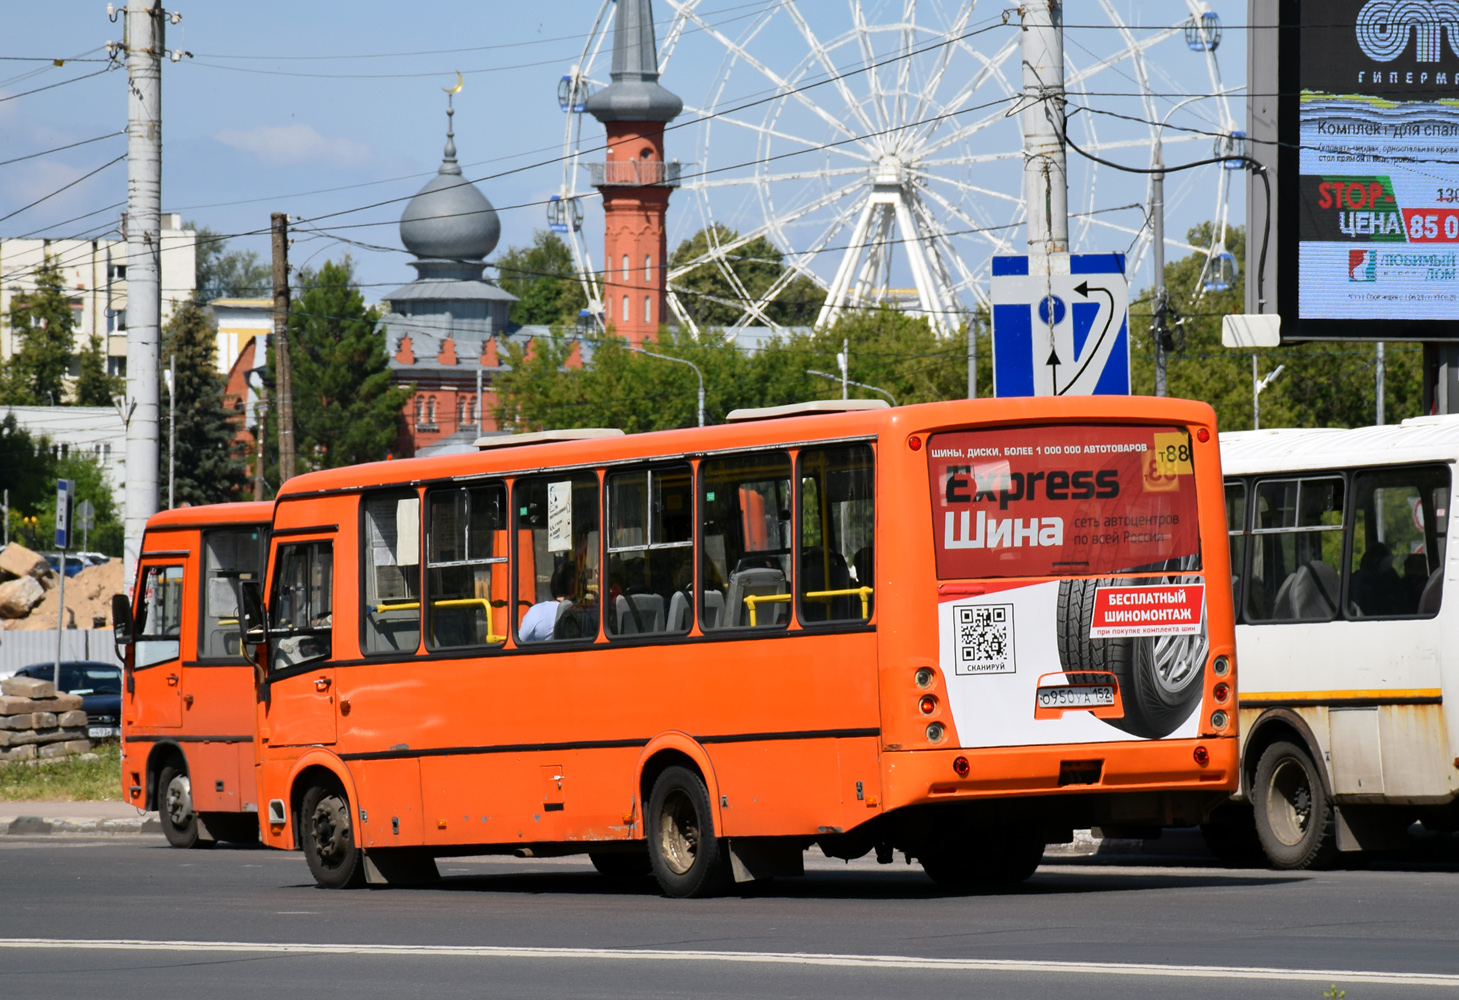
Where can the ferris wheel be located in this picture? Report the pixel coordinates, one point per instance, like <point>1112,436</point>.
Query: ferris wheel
<point>877,145</point>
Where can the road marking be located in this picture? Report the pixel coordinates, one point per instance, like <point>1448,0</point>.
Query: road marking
<point>888,962</point>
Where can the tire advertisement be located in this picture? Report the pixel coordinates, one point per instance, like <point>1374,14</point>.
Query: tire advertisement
<point>1072,608</point>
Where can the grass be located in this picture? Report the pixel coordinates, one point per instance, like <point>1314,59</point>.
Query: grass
<point>67,779</point>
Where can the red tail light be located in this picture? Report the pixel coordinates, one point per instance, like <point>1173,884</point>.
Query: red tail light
<point>960,766</point>
<point>1221,692</point>
<point>1202,756</point>
<point>927,705</point>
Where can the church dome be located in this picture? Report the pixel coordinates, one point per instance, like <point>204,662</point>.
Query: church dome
<point>449,217</point>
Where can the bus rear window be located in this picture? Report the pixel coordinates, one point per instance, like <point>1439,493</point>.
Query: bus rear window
<point>1062,501</point>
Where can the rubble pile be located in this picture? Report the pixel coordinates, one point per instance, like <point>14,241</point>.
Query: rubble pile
<point>30,599</point>
<point>36,723</point>
<point>24,579</point>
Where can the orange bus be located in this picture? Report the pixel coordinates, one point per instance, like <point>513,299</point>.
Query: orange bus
<point>187,701</point>
<point>956,630</point>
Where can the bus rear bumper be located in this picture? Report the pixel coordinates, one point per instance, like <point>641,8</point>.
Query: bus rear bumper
<point>919,777</point>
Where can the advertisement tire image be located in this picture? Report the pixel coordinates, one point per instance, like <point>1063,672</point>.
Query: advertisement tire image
<point>1294,814</point>
<point>688,859</point>
<point>175,808</point>
<point>335,861</point>
<point>1159,676</point>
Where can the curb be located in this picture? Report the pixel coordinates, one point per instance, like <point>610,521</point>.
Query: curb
<point>32,825</point>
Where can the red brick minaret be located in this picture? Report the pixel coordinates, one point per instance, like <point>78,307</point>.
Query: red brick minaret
<point>635,180</point>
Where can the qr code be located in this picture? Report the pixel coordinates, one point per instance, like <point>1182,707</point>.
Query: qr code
<point>985,639</point>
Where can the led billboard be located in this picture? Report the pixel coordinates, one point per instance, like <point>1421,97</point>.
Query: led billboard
<point>1369,169</point>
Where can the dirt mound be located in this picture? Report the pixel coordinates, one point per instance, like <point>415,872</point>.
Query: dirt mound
<point>88,595</point>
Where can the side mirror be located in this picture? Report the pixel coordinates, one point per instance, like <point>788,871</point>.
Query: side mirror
<point>251,626</point>
<point>121,619</point>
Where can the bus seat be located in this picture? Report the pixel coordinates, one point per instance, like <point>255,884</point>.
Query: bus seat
<point>754,583</point>
<point>679,612</point>
<point>813,579</point>
<point>1310,594</point>
<point>1428,602</point>
<point>713,609</point>
<point>639,613</point>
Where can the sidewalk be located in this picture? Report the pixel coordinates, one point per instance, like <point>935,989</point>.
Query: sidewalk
<point>75,817</point>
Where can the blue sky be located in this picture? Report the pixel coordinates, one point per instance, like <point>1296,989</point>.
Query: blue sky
<point>281,101</point>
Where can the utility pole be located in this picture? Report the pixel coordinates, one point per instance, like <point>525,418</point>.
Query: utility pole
<point>284,379</point>
<point>144,44</point>
<point>1157,226</point>
<point>1045,178</point>
<point>171,431</point>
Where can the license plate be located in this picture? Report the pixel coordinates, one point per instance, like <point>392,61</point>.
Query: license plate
<point>101,732</point>
<point>1082,696</point>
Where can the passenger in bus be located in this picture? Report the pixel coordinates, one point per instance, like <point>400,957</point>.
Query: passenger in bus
<point>540,621</point>
<point>1415,578</point>
<point>1376,588</point>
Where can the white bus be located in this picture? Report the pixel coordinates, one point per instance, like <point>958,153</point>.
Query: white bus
<point>1349,690</point>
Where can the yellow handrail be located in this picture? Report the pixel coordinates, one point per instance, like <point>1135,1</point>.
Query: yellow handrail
<point>455,602</point>
<point>753,600</point>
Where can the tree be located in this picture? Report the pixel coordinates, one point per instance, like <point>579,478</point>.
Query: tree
<point>209,460</point>
<point>94,387</point>
<point>223,273</point>
<point>544,280</point>
<point>345,410</point>
<point>1323,384</point>
<point>712,300</point>
<point>635,392</point>
<point>42,321</point>
<point>26,467</point>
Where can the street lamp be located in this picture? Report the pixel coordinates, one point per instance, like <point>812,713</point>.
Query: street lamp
<point>1256,388</point>
<point>1157,225</point>
<point>846,381</point>
<point>665,357</point>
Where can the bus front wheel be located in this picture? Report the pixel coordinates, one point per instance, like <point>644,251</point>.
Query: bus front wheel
<point>335,861</point>
<point>175,810</point>
<point>688,858</point>
<point>1294,815</point>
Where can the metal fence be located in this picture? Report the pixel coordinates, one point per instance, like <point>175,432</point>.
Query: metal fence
<point>21,649</point>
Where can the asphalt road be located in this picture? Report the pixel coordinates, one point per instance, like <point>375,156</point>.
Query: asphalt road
<point>126,916</point>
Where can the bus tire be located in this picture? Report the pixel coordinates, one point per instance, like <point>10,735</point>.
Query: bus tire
<point>620,866</point>
<point>688,859</point>
<point>335,861</point>
<point>984,860</point>
<point>1159,677</point>
<point>175,808</point>
<point>1295,820</point>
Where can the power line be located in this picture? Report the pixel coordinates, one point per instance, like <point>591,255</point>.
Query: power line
<point>62,83</point>
<point>48,152</point>
<point>63,187</point>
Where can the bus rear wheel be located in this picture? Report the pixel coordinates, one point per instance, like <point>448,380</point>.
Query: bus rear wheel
<point>335,861</point>
<point>1294,815</point>
<point>688,858</point>
<point>175,808</point>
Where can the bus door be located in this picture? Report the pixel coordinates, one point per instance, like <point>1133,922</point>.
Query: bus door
<point>300,708</point>
<point>154,696</point>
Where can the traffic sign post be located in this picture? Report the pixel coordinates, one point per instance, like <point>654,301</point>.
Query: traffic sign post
<point>65,496</point>
<point>1061,325</point>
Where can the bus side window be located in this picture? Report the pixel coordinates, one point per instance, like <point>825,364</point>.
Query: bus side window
<point>837,518</point>
<point>230,557</point>
<point>467,585</point>
<point>745,564</point>
<point>1296,550</point>
<point>301,614</point>
<point>557,557</point>
<point>1236,530</point>
<point>650,551</point>
<point>160,623</point>
<point>1400,520</point>
<point>391,554</point>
